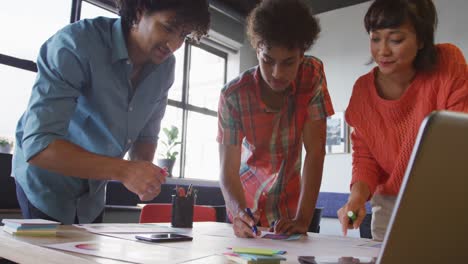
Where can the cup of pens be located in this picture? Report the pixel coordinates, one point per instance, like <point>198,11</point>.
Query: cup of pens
<point>182,207</point>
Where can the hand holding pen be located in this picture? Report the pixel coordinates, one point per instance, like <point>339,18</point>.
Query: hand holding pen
<point>254,226</point>
<point>244,223</point>
<point>351,216</point>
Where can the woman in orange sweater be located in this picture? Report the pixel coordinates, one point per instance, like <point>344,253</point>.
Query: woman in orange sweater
<point>413,77</point>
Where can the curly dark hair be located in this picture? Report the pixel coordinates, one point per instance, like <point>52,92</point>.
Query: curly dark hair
<point>286,23</point>
<point>421,14</point>
<point>192,13</point>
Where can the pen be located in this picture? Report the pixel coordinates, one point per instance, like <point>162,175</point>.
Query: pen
<point>352,216</point>
<point>189,190</point>
<point>249,213</point>
<point>272,226</point>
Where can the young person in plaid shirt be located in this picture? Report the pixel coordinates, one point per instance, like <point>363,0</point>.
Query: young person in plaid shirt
<point>266,116</point>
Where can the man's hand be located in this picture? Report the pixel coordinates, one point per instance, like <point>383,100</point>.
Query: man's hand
<point>290,226</point>
<point>144,179</point>
<point>140,177</point>
<point>242,224</point>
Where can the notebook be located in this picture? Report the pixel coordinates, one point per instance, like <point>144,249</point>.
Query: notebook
<point>429,223</point>
<point>30,227</point>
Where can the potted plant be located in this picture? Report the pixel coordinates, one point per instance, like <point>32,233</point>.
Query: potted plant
<point>6,145</point>
<point>168,153</point>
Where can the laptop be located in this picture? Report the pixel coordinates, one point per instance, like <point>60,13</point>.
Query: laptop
<point>429,223</point>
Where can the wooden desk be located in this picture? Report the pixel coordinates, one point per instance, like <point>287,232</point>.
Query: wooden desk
<point>211,239</point>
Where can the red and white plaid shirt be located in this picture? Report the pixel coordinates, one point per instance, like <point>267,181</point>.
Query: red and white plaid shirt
<point>272,140</point>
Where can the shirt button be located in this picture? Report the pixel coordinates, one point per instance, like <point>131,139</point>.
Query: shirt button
<point>129,141</point>
<point>128,62</point>
<point>130,109</point>
<point>263,193</point>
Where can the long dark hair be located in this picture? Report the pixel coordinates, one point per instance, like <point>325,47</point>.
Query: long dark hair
<point>420,13</point>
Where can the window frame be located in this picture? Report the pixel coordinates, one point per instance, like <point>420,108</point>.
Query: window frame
<point>30,65</point>
<point>183,105</point>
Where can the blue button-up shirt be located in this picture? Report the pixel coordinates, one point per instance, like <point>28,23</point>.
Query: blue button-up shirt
<point>83,94</point>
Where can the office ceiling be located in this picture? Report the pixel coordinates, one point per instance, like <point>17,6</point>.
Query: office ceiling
<point>243,7</point>
<point>319,6</point>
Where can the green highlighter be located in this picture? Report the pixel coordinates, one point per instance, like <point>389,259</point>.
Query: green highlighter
<point>352,217</point>
<point>258,251</point>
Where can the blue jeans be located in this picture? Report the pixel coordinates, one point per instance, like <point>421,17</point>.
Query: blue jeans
<point>30,212</point>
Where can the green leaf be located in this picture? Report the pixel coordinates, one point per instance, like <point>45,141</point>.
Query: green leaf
<point>170,142</point>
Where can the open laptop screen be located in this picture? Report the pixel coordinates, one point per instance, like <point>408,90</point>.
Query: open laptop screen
<point>429,223</point>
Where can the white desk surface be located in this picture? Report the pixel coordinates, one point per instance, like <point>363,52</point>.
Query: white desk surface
<point>210,240</point>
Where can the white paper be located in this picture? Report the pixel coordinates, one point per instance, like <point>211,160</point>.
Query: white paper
<point>129,251</point>
<point>124,228</point>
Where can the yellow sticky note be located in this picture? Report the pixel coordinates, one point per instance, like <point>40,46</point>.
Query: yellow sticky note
<point>257,251</point>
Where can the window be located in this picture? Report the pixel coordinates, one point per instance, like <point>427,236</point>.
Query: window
<point>16,89</point>
<point>200,75</point>
<point>194,96</point>
<point>90,11</point>
<point>24,31</point>
<point>172,117</point>
<point>207,76</point>
<point>202,159</point>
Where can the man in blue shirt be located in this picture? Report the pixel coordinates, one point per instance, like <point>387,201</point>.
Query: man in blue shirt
<point>101,90</point>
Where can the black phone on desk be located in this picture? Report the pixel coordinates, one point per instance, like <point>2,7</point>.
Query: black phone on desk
<point>163,237</point>
<point>336,260</point>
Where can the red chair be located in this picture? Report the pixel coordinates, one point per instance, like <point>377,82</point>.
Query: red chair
<point>162,212</point>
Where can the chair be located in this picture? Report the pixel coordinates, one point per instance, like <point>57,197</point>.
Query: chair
<point>7,183</point>
<point>365,228</point>
<point>315,223</point>
<point>161,212</point>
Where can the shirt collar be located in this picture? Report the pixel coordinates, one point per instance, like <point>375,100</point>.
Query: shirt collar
<point>291,88</point>
<point>257,78</point>
<point>119,45</point>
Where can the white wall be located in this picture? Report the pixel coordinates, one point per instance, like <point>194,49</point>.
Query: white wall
<point>344,48</point>
<point>248,58</point>
<point>453,23</point>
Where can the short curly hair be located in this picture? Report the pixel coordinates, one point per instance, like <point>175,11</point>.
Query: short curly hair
<point>422,15</point>
<point>286,23</point>
<point>192,13</point>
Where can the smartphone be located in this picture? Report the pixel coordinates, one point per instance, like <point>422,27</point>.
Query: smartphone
<point>335,260</point>
<point>163,237</point>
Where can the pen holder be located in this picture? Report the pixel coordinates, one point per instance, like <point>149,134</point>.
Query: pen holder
<point>182,211</point>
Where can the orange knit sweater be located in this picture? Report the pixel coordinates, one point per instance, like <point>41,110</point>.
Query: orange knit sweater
<point>384,131</point>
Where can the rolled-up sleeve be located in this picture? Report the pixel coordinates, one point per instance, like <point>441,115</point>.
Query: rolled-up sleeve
<point>59,83</point>
<point>320,106</point>
<point>229,124</point>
